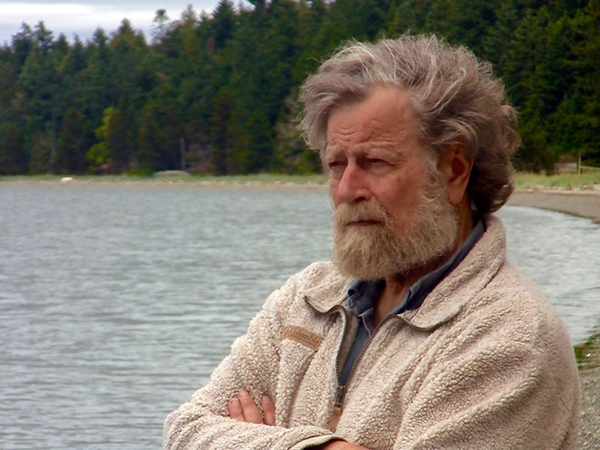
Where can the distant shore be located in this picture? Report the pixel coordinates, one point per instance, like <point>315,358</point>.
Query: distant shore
<point>258,181</point>
<point>580,201</point>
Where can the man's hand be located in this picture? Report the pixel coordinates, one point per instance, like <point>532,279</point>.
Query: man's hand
<point>244,409</point>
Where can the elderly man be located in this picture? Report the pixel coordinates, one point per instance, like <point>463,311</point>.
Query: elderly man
<point>419,334</point>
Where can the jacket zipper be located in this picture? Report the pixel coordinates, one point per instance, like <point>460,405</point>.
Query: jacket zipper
<point>340,393</point>
<point>340,389</point>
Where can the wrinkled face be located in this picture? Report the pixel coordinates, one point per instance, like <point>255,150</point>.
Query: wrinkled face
<point>391,214</point>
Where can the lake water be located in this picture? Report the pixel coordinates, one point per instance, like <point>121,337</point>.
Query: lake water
<point>116,304</point>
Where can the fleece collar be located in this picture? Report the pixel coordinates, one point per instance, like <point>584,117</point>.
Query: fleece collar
<point>447,299</point>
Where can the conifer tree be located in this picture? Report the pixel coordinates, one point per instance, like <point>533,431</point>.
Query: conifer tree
<point>43,146</point>
<point>72,143</point>
<point>221,135</point>
<point>223,23</point>
<point>151,142</point>
<point>98,156</point>
<point>12,153</point>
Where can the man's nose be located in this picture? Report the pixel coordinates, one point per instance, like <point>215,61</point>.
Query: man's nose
<point>353,185</point>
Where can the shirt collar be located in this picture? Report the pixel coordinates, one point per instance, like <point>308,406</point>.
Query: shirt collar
<point>363,294</point>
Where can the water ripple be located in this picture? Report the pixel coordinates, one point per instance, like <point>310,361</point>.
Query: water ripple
<point>117,304</point>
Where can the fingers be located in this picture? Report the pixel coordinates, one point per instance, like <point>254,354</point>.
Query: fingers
<point>243,409</point>
<point>235,409</point>
<point>250,411</point>
<point>268,410</point>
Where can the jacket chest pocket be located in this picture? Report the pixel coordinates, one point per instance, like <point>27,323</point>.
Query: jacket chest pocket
<point>306,381</point>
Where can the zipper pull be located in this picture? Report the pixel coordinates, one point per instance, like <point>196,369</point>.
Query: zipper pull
<point>337,409</point>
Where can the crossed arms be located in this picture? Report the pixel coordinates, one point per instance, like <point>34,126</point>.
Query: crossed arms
<point>254,366</point>
<point>243,409</point>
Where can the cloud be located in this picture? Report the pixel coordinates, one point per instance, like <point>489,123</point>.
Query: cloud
<point>71,18</point>
<point>78,17</point>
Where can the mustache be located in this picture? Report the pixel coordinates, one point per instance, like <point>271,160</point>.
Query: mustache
<point>346,213</point>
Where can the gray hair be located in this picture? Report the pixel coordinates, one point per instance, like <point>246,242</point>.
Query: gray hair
<point>456,99</point>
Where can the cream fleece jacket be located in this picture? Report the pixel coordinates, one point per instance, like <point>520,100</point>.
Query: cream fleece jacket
<point>484,363</point>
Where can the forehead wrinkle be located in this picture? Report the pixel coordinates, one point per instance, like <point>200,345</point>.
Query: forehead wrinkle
<point>374,131</point>
<point>387,128</point>
<point>396,132</point>
<point>342,136</point>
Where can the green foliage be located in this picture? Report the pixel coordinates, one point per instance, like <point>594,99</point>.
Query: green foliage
<point>221,132</point>
<point>140,172</point>
<point>98,155</point>
<point>12,155</point>
<point>534,154</point>
<point>223,23</point>
<point>586,354</point>
<point>225,85</point>
<point>159,25</point>
<point>525,180</point>
<point>151,141</point>
<point>70,157</point>
<point>43,153</point>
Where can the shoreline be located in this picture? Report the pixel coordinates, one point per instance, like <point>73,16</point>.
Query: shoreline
<point>166,183</point>
<point>581,203</point>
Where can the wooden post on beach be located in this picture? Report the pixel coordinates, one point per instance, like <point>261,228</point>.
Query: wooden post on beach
<point>182,151</point>
<point>579,164</point>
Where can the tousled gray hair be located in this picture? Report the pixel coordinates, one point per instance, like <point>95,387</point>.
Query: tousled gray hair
<point>456,99</point>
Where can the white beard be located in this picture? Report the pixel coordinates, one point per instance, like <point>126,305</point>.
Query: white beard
<point>380,251</point>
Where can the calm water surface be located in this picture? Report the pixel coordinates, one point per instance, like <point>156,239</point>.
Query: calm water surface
<point>116,304</point>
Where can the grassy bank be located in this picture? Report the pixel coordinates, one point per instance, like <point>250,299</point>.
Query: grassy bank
<point>261,178</point>
<point>588,353</point>
<point>562,181</point>
<point>522,180</point>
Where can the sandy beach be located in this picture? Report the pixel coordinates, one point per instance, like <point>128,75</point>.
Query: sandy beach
<point>577,202</point>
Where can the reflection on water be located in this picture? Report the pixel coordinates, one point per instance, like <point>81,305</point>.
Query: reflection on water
<point>116,304</point>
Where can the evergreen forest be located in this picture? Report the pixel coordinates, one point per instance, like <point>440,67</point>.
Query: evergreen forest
<point>217,93</point>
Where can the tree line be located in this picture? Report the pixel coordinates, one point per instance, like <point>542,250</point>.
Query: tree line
<point>218,93</point>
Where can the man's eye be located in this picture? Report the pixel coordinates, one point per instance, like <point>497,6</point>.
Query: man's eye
<point>376,162</point>
<point>336,166</point>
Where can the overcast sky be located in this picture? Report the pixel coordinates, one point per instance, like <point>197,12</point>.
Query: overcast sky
<point>83,17</point>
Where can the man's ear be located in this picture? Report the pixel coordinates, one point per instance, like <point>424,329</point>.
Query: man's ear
<point>456,168</point>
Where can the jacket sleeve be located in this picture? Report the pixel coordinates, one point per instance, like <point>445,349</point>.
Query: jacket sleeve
<point>498,394</point>
<point>253,364</point>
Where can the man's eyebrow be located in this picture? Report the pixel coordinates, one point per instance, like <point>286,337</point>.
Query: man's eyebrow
<point>332,148</point>
<point>388,146</point>
<point>364,147</point>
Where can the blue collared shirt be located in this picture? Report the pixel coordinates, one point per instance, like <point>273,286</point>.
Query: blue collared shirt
<point>362,296</point>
